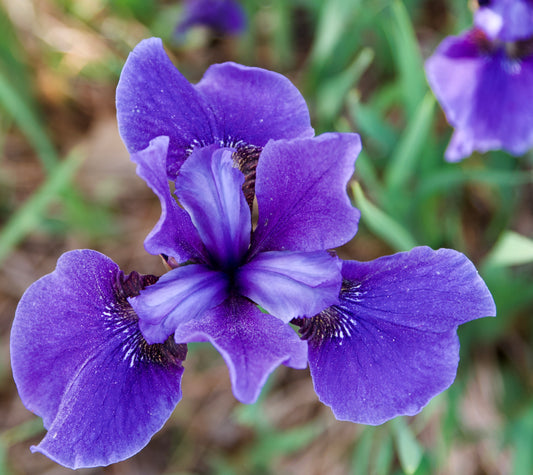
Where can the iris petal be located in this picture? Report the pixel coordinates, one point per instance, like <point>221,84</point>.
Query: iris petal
<point>174,233</point>
<point>154,98</point>
<point>254,105</point>
<point>391,344</point>
<point>488,101</point>
<point>291,284</point>
<point>79,362</point>
<point>506,20</point>
<point>209,188</point>
<point>252,343</point>
<point>223,16</point>
<point>182,294</point>
<point>301,194</point>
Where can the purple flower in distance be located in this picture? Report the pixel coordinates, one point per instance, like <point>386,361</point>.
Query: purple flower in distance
<point>390,344</point>
<point>232,106</point>
<point>483,80</point>
<point>505,20</point>
<point>81,363</point>
<point>282,265</point>
<point>222,16</point>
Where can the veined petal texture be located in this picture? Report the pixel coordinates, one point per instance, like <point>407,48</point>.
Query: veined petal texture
<point>254,105</point>
<point>174,233</point>
<point>289,284</point>
<point>209,187</point>
<point>181,294</point>
<point>390,345</point>
<point>232,105</point>
<point>301,193</point>
<point>153,98</point>
<point>80,362</point>
<point>252,343</point>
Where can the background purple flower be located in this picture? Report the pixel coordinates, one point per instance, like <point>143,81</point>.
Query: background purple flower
<point>232,106</point>
<point>81,363</point>
<point>485,89</point>
<point>222,16</point>
<point>505,20</point>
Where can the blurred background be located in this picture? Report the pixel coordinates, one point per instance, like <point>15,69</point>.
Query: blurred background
<point>66,182</point>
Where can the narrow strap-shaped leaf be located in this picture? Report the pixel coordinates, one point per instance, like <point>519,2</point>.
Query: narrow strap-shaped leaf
<point>381,224</point>
<point>28,217</point>
<point>28,122</point>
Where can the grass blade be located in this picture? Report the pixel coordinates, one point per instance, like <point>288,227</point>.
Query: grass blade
<point>28,122</point>
<point>408,151</point>
<point>28,217</point>
<point>381,224</point>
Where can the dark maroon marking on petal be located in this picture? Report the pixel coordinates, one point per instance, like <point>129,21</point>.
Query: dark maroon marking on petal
<point>336,321</point>
<point>519,49</point>
<point>246,158</point>
<point>122,318</point>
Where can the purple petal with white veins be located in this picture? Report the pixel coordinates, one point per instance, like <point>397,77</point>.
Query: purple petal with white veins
<point>153,98</point>
<point>210,189</point>
<point>254,105</point>
<point>252,343</point>
<point>79,362</point>
<point>506,20</point>
<point>391,344</point>
<point>484,94</point>
<point>174,233</point>
<point>301,193</point>
<point>180,295</point>
<point>291,284</point>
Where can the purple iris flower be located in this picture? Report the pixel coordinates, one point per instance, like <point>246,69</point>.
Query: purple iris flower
<point>222,16</point>
<point>505,20</point>
<point>98,354</point>
<point>232,106</point>
<point>483,80</point>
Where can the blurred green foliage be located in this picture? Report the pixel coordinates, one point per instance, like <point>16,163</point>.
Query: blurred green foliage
<point>359,64</point>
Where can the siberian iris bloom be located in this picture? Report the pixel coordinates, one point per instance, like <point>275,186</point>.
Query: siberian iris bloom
<point>232,106</point>
<point>483,80</point>
<point>99,354</point>
<point>222,16</point>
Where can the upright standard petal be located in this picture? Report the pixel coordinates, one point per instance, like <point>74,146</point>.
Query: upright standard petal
<point>484,94</point>
<point>232,105</point>
<point>291,284</point>
<point>252,343</point>
<point>254,105</point>
<point>391,343</point>
<point>154,98</point>
<point>182,294</point>
<point>80,362</point>
<point>210,189</point>
<point>174,233</point>
<point>301,193</point>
